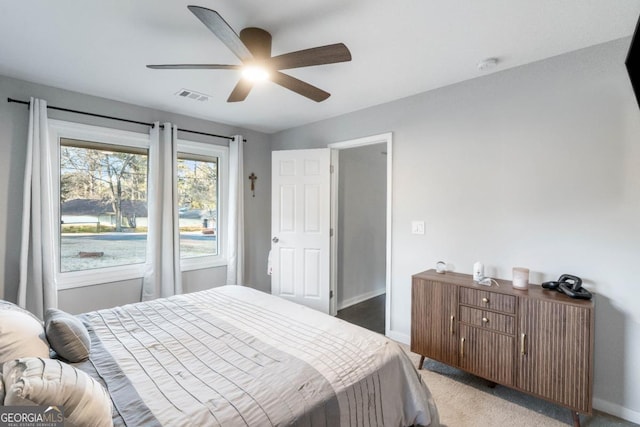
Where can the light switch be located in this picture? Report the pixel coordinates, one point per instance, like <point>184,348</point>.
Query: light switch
<point>417,227</point>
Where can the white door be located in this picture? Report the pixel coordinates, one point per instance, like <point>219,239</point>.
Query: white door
<point>300,207</point>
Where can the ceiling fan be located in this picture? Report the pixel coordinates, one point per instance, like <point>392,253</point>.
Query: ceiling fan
<point>253,48</point>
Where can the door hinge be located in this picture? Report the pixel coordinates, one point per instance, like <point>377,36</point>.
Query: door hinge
<point>331,169</point>
<point>330,294</point>
<point>331,232</point>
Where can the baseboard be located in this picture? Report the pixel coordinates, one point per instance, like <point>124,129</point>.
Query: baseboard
<point>617,410</point>
<point>362,297</point>
<point>399,336</point>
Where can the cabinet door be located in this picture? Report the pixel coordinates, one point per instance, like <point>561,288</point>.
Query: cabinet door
<point>555,352</point>
<point>433,322</point>
<point>487,354</point>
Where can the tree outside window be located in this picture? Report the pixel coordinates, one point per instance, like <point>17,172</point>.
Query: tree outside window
<point>103,194</point>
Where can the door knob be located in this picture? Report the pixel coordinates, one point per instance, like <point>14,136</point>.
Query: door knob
<point>275,240</point>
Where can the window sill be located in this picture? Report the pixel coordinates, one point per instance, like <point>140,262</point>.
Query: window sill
<point>79,279</point>
<point>103,276</point>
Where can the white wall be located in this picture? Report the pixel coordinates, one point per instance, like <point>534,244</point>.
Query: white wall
<point>13,137</point>
<point>537,166</point>
<point>362,223</point>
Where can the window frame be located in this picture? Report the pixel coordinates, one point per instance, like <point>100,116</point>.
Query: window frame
<point>59,129</point>
<point>222,153</point>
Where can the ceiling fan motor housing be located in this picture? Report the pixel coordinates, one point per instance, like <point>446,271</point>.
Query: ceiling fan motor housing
<point>258,41</point>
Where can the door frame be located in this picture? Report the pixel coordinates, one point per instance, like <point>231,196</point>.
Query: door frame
<point>335,148</point>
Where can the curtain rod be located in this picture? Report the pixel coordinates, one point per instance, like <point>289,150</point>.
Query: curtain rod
<point>123,120</point>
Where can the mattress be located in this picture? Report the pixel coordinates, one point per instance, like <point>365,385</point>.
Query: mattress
<point>234,356</point>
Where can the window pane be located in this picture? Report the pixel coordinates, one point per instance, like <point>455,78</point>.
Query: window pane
<point>103,205</point>
<point>198,205</point>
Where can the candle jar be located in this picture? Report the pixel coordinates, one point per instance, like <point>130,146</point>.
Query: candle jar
<point>520,278</point>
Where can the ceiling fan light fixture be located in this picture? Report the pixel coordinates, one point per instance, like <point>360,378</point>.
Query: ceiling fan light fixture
<point>255,73</point>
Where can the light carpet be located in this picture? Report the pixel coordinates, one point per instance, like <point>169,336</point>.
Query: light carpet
<point>465,400</point>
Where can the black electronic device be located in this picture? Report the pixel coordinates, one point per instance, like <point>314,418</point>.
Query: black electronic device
<point>633,62</point>
<point>569,285</point>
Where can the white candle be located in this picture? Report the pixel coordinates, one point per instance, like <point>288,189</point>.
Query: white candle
<point>520,277</point>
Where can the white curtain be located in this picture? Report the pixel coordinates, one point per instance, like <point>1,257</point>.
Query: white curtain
<point>162,276</point>
<point>235,223</point>
<point>37,290</point>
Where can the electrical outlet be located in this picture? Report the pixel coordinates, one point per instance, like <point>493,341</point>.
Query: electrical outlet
<point>417,227</point>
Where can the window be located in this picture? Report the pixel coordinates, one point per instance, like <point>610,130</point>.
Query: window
<point>102,190</point>
<point>200,171</point>
<point>103,205</point>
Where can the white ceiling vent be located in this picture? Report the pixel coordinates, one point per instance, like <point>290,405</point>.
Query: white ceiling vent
<point>192,94</point>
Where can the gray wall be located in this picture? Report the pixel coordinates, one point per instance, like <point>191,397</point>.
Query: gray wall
<point>13,137</point>
<point>362,223</point>
<point>537,166</point>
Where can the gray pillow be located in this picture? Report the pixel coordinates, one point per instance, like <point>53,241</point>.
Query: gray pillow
<point>21,334</point>
<point>33,380</point>
<point>67,335</point>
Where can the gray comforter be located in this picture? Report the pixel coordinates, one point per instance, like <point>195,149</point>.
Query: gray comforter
<point>235,356</point>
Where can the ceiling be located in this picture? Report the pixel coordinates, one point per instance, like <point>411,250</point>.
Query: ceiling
<point>399,48</point>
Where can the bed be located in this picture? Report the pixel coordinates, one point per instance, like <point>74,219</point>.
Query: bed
<point>234,356</point>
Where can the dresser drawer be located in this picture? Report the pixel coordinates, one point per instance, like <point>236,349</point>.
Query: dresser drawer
<point>488,320</point>
<point>488,300</point>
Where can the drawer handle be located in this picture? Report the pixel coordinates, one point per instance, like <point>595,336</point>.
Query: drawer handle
<point>453,318</point>
<point>485,300</point>
<point>485,320</point>
<point>462,347</point>
<point>523,340</point>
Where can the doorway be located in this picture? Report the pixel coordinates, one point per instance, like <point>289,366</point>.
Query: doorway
<point>361,217</point>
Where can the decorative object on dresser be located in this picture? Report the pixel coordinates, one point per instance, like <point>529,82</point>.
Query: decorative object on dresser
<point>536,340</point>
<point>478,271</point>
<point>520,278</point>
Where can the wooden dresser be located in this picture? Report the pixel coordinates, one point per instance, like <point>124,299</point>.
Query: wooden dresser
<point>536,341</point>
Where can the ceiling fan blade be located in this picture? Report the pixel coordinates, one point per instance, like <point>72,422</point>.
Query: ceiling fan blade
<point>299,87</point>
<point>329,54</point>
<point>194,67</point>
<point>218,26</point>
<point>240,92</point>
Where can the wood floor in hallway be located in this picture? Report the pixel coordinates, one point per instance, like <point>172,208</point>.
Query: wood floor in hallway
<point>369,314</point>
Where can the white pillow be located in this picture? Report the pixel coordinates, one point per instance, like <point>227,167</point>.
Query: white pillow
<point>21,334</point>
<point>51,382</point>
